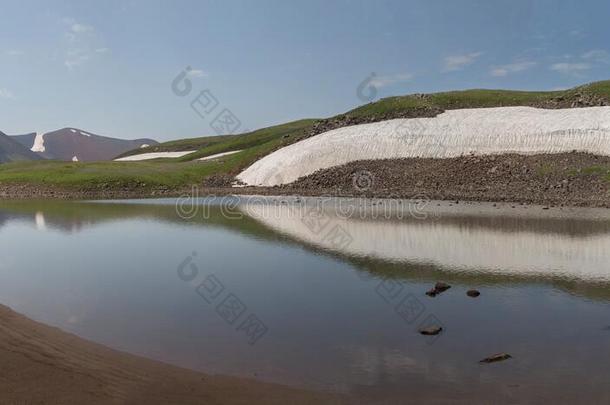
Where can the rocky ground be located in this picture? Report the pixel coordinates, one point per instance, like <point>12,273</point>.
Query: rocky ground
<point>40,191</point>
<point>576,179</point>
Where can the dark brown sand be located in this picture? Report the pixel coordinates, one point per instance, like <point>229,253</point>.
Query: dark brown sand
<point>43,365</point>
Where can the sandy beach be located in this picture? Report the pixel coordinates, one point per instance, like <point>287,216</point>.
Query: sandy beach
<point>42,364</point>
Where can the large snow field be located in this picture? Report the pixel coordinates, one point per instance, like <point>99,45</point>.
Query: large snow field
<point>523,130</point>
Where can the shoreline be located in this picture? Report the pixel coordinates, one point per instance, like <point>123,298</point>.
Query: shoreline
<point>42,363</point>
<point>8,193</point>
<point>572,179</point>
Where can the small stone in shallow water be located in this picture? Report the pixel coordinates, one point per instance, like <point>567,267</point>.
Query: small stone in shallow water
<point>473,293</point>
<point>440,286</point>
<point>431,330</point>
<point>496,357</point>
<point>437,289</point>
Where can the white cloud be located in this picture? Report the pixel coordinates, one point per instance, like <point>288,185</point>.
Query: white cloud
<point>576,33</point>
<point>75,26</point>
<point>458,62</point>
<point>196,73</point>
<point>14,52</point>
<point>79,28</point>
<point>76,57</point>
<point>83,43</point>
<point>4,93</point>
<point>382,81</point>
<point>570,68</point>
<point>504,70</point>
<point>597,55</point>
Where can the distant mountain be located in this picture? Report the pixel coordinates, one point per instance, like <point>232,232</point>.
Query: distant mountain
<point>77,145</point>
<point>11,150</point>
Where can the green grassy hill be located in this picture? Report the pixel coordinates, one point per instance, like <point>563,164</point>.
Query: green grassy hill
<point>590,94</point>
<point>188,170</point>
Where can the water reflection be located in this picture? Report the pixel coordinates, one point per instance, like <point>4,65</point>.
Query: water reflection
<point>107,272</point>
<point>567,248</point>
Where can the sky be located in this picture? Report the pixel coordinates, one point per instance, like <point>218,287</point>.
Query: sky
<point>114,67</point>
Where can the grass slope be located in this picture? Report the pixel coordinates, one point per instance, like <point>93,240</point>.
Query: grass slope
<point>158,173</point>
<point>180,145</point>
<point>481,98</point>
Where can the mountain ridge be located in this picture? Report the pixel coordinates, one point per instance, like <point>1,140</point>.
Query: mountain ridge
<point>73,144</point>
<point>11,150</point>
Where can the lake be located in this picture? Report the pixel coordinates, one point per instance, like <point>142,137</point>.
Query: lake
<point>328,294</point>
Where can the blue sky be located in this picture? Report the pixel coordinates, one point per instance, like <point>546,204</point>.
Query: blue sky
<point>107,66</point>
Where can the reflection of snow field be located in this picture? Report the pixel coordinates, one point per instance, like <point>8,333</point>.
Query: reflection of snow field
<point>453,133</point>
<point>41,224</point>
<point>452,245</point>
<point>154,155</point>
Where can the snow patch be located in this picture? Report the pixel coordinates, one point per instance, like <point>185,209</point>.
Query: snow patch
<point>38,143</point>
<point>524,130</point>
<point>154,155</point>
<point>73,130</point>
<point>85,133</point>
<point>220,155</point>
<point>144,145</point>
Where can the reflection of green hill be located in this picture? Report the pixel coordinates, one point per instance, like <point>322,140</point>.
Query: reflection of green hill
<point>73,216</point>
<point>70,216</point>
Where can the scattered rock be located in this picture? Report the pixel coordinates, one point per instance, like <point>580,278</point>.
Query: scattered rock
<point>432,293</point>
<point>473,293</point>
<point>517,178</point>
<point>441,287</point>
<point>496,357</point>
<point>431,330</point>
<point>344,120</point>
<point>437,289</point>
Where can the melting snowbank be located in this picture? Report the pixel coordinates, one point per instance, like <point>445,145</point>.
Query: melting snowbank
<point>154,155</point>
<point>38,143</point>
<point>524,130</point>
<point>220,155</point>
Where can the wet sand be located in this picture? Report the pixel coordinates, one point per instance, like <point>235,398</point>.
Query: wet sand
<point>41,364</point>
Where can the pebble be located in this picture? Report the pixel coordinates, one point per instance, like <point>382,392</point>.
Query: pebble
<point>431,330</point>
<point>496,357</point>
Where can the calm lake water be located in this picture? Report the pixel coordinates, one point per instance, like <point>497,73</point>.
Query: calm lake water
<point>328,294</point>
